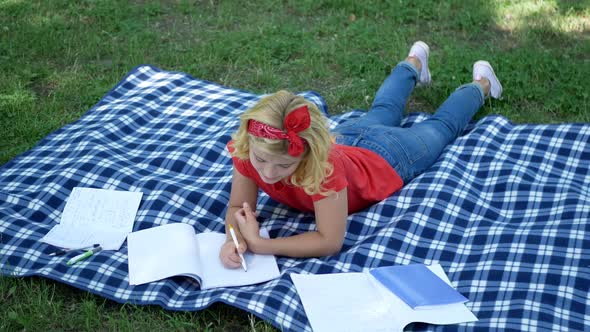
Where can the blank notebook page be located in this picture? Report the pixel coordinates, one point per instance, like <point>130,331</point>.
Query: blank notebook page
<point>161,252</point>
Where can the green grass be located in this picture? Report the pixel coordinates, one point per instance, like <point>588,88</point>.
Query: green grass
<point>35,304</point>
<point>59,57</point>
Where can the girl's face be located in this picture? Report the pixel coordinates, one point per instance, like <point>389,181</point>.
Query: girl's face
<point>272,168</point>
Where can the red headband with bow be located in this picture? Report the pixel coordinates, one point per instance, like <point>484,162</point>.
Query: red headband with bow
<point>295,122</point>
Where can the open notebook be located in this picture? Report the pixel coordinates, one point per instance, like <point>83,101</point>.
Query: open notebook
<point>175,250</point>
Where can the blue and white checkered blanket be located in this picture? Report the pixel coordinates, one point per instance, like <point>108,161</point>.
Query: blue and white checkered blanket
<point>505,210</point>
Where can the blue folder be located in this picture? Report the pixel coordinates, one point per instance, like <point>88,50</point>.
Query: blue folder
<point>417,286</point>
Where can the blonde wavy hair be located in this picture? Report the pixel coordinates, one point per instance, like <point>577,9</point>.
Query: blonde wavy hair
<point>314,167</point>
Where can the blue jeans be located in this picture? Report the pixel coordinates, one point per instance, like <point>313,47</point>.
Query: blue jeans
<point>410,151</point>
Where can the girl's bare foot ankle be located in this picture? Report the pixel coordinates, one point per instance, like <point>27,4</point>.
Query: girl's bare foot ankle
<point>485,85</point>
<point>415,62</point>
<point>418,58</point>
<point>484,75</point>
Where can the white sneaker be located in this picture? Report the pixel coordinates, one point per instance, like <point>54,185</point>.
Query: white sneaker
<point>483,69</point>
<point>421,51</point>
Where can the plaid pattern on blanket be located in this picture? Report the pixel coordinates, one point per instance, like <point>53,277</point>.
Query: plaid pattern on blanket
<point>505,210</point>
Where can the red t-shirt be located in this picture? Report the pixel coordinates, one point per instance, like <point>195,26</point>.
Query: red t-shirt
<point>367,176</point>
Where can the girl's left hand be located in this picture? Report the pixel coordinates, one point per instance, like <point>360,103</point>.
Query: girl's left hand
<point>248,224</point>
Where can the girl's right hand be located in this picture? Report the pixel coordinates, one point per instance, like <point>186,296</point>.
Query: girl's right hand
<point>229,255</point>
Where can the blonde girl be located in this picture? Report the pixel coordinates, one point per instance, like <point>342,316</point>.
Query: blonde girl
<point>283,147</point>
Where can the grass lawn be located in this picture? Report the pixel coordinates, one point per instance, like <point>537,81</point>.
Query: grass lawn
<point>59,57</point>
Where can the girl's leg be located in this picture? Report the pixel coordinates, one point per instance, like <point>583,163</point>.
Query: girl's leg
<point>455,113</point>
<point>451,118</point>
<point>390,100</point>
<point>425,141</point>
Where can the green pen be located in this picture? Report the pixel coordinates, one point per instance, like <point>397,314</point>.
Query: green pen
<point>84,255</point>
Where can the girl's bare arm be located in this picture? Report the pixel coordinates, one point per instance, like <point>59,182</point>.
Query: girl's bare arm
<point>242,190</point>
<point>331,214</point>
